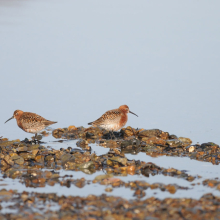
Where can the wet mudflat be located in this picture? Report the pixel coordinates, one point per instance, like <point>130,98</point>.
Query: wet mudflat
<point>51,206</point>
<point>84,174</point>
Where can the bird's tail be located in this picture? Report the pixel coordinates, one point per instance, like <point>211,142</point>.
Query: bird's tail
<point>47,123</point>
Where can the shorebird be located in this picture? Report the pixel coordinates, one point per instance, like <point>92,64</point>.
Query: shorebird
<point>30,122</point>
<point>113,120</point>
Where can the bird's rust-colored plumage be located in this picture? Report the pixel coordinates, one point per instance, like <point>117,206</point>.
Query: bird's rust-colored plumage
<point>30,122</point>
<point>113,120</point>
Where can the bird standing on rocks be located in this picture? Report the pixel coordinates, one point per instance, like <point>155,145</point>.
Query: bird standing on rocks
<point>30,122</point>
<point>113,120</point>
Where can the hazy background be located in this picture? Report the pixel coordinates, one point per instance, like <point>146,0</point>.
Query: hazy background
<point>70,61</point>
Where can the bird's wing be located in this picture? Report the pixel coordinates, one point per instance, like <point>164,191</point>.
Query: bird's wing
<point>33,120</point>
<point>110,116</point>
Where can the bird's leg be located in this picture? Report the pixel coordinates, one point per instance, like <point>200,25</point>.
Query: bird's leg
<point>110,134</point>
<point>134,133</point>
<point>35,139</point>
<point>113,134</point>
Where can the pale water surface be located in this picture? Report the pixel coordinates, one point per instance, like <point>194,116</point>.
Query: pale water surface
<point>71,61</point>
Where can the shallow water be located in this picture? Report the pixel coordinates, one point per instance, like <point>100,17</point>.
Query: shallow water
<point>194,191</point>
<point>71,61</point>
<point>198,169</point>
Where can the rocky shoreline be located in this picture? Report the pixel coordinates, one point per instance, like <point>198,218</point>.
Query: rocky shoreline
<point>40,206</point>
<point>31,163</point>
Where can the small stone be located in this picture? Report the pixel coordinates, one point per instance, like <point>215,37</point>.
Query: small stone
<point>185,141</point>
<point>174,143</point>
<point>171,189</point>
<point>150,133</point>
<point>109,189</point>
<point>72,128</point>
<point>8,160</point>
<point>131,168</point>
<point>190,148</point>
<point>101,177</point>
<point>49,158</point>
<point>87,165</point>
<point>154,140</point>
<point>18,160</point>
<point>39,159</point>
<point>122,160</point>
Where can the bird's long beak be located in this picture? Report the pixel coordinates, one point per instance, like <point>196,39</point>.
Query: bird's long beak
<point>10,119</point>
<point>132,113</point>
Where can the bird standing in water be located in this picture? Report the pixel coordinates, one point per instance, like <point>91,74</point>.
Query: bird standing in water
<point>30,122</point>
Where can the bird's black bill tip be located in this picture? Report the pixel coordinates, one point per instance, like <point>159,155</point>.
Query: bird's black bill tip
<point>10,119</point>
<point>133,113</point>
